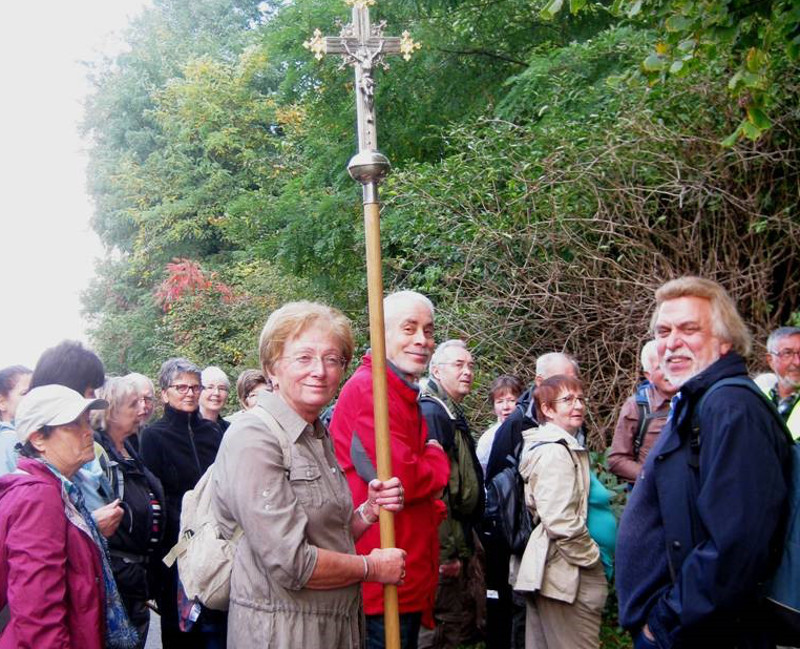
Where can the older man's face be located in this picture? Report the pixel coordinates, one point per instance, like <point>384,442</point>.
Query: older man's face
<point>784,360</point>
<point>657,378</point>
<point>455,372</point>
<point>409,338</point>
<point>685,338</point>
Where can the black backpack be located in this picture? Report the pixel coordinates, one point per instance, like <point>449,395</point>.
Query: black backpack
<point>507,519</point>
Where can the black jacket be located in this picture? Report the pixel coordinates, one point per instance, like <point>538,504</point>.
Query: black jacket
<point>445,421</point>
<point>131,545</point>
<point>178,448</point>
<point>509,435</point>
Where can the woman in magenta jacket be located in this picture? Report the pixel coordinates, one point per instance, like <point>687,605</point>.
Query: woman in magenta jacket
<point>53,573</point>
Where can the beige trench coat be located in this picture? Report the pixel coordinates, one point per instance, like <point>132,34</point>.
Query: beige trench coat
<point>557,494</point>
<point>285,519</point>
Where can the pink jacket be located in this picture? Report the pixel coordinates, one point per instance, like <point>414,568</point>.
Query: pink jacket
<point>50,571</point>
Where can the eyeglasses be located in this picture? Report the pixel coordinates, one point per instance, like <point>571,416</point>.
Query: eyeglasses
<point>329,361</point>
<point>218,388</point>
<point>183,388</point>
<point>570,400</point>
<point>460,365</point>
<point>786,354</point>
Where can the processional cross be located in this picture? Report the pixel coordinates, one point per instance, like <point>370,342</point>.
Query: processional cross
<point>363,45</point>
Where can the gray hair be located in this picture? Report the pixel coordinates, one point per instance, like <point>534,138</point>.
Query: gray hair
<point>779,334</point>
<point>213,372</point>
<point>115,390</point>
<point>173,368</point>
<point>649,350</point>
<point>439,353</point>
<point>141,381</point>
<point>393,303</point>
<point>545,363</point>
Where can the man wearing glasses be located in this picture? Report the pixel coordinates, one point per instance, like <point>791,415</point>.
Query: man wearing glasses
<point>783,357</point>
<point>460,596</point>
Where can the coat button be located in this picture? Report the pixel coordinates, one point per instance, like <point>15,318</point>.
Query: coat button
<point>660,458</point>
<point>676,545</point>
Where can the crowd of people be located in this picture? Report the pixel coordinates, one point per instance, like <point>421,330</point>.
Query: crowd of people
<point>93,485</point>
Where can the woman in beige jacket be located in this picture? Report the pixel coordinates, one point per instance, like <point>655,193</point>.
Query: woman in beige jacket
<point>560,571</point>
<point>296,577</point>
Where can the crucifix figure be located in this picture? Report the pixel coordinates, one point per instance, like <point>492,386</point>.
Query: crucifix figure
<point>363,45</point>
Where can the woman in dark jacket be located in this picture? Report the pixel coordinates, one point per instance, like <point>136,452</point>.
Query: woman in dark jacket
<point>178,448</point>
<point>139,493</point>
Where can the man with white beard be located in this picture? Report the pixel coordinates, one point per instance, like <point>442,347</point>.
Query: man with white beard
<point>699,534</point>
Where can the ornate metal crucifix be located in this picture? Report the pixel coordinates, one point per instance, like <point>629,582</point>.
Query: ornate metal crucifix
<point>364,46</point>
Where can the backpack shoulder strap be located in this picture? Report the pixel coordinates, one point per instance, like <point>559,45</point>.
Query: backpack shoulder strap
<point>111,472</point>
<point>276,428</point>
<point>643,422</point>
<point>740,381</point>
<point>563,443</point>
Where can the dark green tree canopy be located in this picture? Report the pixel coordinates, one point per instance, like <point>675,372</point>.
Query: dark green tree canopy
<point>553,165</point>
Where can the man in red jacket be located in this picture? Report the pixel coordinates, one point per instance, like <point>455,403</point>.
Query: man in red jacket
<point>421,464</point>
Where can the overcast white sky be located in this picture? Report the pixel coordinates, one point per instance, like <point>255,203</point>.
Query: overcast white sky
<point>47,249</point>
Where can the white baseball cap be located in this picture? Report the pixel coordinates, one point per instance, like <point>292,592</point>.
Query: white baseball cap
<point>51,405</point>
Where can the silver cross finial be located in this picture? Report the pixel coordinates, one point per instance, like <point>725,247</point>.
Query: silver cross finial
<point>363,45</point>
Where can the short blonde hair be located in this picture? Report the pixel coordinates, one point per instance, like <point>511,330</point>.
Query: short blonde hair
<point>292,319</point>
<point>115,390</point>
<point>726,323</point>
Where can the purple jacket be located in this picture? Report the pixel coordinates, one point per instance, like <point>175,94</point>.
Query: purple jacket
<point>50,571</point>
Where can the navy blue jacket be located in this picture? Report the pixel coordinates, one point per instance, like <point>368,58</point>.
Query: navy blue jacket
<point>694,545</point>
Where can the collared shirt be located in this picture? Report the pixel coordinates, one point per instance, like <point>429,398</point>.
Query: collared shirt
<point>286,515</point>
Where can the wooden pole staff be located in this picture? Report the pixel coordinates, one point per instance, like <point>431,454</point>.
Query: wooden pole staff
<point>364,46</point>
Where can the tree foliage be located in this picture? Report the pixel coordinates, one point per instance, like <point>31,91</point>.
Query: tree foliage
<point>543,185</point>
<point>753,45</point>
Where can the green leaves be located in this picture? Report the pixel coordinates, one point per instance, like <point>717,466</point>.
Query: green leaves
<point>218,139</point>
<point>551,9</point>
<point>761,39</point>
<point>654,63</point>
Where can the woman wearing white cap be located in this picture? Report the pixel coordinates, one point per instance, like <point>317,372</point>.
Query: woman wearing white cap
<point>54,572</point>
